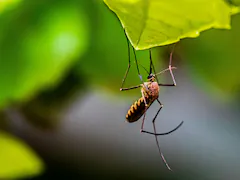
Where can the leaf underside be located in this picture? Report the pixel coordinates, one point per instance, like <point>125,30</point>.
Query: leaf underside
<point>151,23</point>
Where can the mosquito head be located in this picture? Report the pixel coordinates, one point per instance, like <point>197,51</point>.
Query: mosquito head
<point>151,77</point>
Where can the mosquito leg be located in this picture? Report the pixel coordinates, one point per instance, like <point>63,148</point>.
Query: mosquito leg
<point>167,84</point>
<point>141,130</point>
<point>161,134</point>
<point>166,133</point>
<point>161,105</point>
<point>142,91</point>
<point>170,67</point>
<point>133,87</point>
<point>162,156</point>
<point>129,65</point>
<point>153,121</point>
<point>151,65</point>
<point>135,57</point>
<point>165,70</point>
<point>154,127</point>
<point>129,62</point>
<point>146,107</point>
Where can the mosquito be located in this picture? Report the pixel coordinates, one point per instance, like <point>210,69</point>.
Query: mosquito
<point>150,93</point>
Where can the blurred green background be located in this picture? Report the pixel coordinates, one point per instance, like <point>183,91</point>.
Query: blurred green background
<point>62,114</point>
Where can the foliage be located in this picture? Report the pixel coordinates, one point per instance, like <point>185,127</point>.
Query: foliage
<point>151,23</point>
<point>37,48</point>
<point>17,159</point>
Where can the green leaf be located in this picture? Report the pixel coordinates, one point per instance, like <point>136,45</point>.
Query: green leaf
<point>8,4</point>
<point>17,160</point>
<point>213,60</point>
<point>39,42</point>
<point>151,23</point>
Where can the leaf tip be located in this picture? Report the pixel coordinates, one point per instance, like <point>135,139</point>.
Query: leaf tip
<point>235,10</point>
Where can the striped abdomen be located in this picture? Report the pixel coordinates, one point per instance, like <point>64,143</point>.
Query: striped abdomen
<point>137,109</point>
